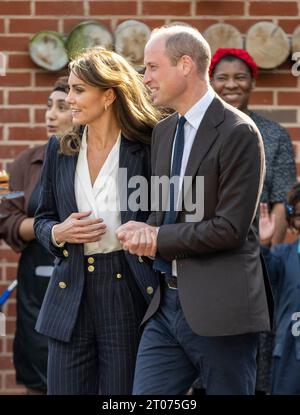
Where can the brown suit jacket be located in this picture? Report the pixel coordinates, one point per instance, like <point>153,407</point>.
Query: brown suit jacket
<point>221,284</point>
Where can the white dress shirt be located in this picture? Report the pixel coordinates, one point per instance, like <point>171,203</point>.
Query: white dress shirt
<point>102,199</point>
<point>193,117</point>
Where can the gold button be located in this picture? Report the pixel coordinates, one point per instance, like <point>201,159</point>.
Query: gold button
<point>91,260</point>
<point>119,276</point>
<point>91,268</point>
<point>149,290</point>
<point>65,253</point>
<point>141,259</point>
<point>62,284</point>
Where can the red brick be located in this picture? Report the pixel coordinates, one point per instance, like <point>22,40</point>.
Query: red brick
<point>14,43</point>
<point>27,133</point>
<point>1,97</point>
<point>271,8</point>
<point>39,116</point>
<point>286,65</point>
<point>28,97</point>
<point>1,25</point>
<point>152,23</point>
<point>11,151</point>
<point>10,384</point>
<point>289,25</point>
<point>14,115</point>
<point>6,363</point>
<point>15,79</point>
<point>166,8</point>
<point>220,8</point>
<point>261,98</point>
<point>21,61</point>
<point>11,272</point>
<point>9,254</point>
<point>32,25</point>
<point>1,137</point>
<point>11,307</point>
<point>47,78</point>
<point>113,8</point>
<point>10,326</point>
<point>69,24</point>
<point>15,7</point>
<point>54,8</point>
<point>243,25</point>
<point>289,98</point>
<point>276,80</point>
<point>200,24</point>
<point>294,133</point>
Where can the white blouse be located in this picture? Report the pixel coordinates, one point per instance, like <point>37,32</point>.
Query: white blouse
<point>102,199</point>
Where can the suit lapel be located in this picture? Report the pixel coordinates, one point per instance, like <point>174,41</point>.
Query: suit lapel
<point>133,164</point>
<point>204,139</point>
<point>68,167</point>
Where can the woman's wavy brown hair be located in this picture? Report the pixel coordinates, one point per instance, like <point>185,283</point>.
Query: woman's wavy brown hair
<point>132,107</point>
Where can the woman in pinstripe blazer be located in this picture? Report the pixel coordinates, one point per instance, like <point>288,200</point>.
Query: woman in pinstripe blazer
<point>98,294</point>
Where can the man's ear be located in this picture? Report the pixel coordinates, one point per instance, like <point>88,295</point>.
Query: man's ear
<point>187,64</point>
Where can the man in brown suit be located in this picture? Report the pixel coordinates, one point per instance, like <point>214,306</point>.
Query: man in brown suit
<point>213,297</point>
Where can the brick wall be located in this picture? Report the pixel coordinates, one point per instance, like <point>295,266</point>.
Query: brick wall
<point>24,89</point>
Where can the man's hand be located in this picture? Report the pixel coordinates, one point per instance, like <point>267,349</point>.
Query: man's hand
<point>77,230</point>
<point>138,238</point>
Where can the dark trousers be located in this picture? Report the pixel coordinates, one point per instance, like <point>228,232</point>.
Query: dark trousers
<point>171,356</point>
<point>100,357</point>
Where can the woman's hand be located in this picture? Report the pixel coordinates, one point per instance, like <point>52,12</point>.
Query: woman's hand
<point>78,230</point>
<point>266,225</point>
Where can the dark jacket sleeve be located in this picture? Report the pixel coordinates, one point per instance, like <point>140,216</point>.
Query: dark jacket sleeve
<point>46,214</point>
<point>240,158</point>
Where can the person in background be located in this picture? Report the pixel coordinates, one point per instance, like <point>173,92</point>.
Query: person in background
<point>232,73</point>
<point>97,295</point>
<point>30,350</point>
<point>284,269</point>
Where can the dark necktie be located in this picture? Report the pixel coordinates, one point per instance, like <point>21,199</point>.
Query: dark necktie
<point>170,215</point>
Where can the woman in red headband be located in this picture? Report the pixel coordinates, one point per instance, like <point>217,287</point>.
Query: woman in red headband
<point>233,73</point>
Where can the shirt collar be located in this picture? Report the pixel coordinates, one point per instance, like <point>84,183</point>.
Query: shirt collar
<point>192,115</point>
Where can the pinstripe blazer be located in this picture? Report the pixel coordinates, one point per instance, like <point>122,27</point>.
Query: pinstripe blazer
<point>57,201</point>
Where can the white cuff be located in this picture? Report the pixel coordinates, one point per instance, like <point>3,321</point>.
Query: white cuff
<point>53,239</point>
